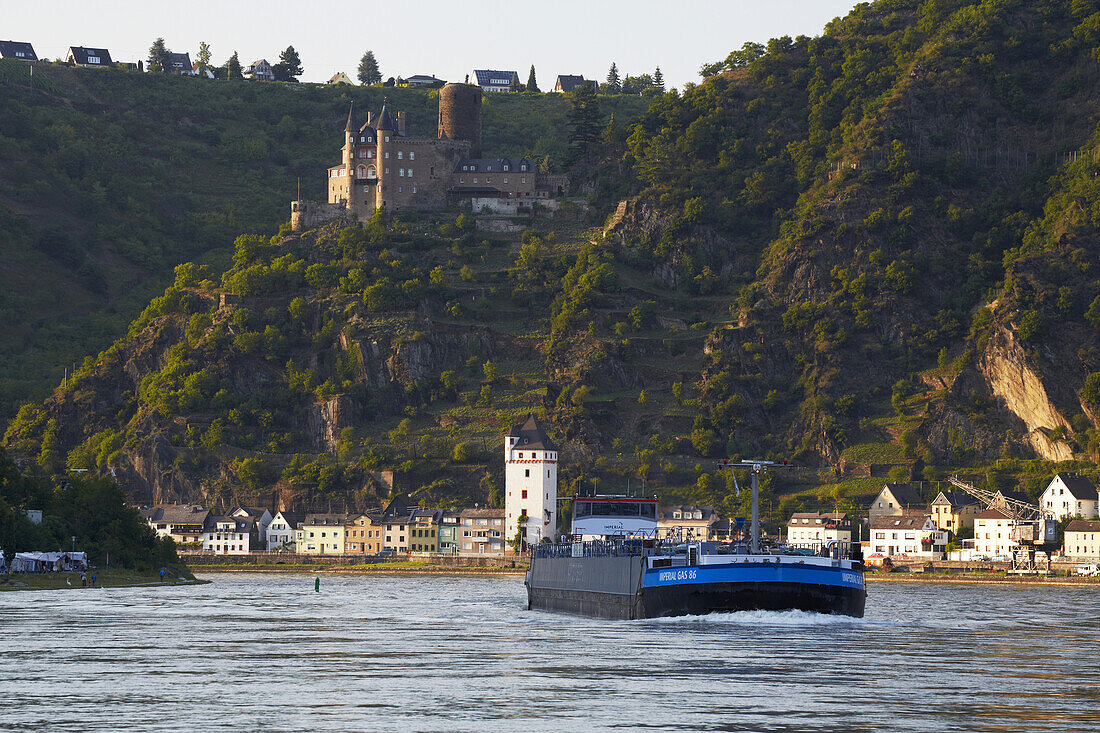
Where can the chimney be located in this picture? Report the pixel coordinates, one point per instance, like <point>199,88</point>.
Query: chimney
<point>370,116</point>
<point>401,124</point>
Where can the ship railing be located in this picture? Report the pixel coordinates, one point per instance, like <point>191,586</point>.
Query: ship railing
<point>629,546</point>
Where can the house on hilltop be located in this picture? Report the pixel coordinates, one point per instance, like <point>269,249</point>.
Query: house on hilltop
<point>566,83</point>
<point>17,50</point>
<point>424,81</point>
<point>180,63</point>
<point>339,78</point>
<point>259,70</point>
<point>89,58</point>
<point>496,81</point>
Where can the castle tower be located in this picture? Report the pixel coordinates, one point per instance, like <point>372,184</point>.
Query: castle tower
<point>530,481</point>
<point>385,131</point>
<point>460,115</point>
<point>349,139</point>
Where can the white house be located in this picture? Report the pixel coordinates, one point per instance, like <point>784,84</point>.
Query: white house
<point>530,482</point>
<point>280,533</point>
<point>496,81</point>
<point>1082,540</point>
<point>908,535</point>
<point>817,529</point>
<point>184,523</point>
<point>89,58</point>
<point>1069,495</point>
<point>230,535</point>
<point>992,534</point>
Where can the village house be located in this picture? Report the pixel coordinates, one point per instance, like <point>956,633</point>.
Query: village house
<point>424,530</point>
<point>184,523</point>
<point>1082,540</point>
<point>90,58</point>
<point>815,529</point>
<point>259,70</point>
<point>993,534</point>
<point>363,535</point>
<point>954,510</point>
<point>911,536</point>
<point>263,520</point>
<point>198,69</point>
<point>230,535</point>
<point>481,532</point>
<point>496,81</point>
<point>449,532</point>
<point>1069,495</point>
<point>893,499</point>
<point>339,78</point>
<point>566,83</point>
<point>280,533</point>
<point>17,50</point>
<point>687,522</point>
<point>323,534</point>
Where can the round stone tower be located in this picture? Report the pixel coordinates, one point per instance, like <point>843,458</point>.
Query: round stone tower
<point>460,115</point>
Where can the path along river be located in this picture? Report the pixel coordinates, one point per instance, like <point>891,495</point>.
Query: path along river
<point>266,652</point>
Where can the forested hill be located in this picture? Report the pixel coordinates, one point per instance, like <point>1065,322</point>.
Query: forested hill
<point>871,251</point>
<point>108,180</point>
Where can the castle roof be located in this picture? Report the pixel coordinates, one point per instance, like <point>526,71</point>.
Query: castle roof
<point>385,122</point>
<point>531,435</point>
<point>350,127</point>
<point>494,165</point>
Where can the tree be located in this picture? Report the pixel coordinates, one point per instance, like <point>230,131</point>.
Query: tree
<point>233,67</point>
<point>659,80</point>
<point>532,85</point>
<point>583,121</point>
<point>369,72</point>
<point>158,57</point>
<point>614,83</point>
<point>289,66</point>
<point>203,57</point>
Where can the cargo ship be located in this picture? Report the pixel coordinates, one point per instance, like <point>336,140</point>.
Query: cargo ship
<point>617,565</point>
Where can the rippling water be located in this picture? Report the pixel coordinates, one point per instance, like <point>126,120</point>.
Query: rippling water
<point>255,652</point>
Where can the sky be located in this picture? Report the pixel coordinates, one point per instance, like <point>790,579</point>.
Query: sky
<point>444,39</point>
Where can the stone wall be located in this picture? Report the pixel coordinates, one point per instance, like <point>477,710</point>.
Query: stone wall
<point>309,214</point>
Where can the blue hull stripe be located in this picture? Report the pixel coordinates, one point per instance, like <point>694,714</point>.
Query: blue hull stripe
<point>753,573</point>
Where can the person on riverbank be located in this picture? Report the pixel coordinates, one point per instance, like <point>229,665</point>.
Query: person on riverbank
<point>83,579</point>
<point>162,575</point>
<point>93,581</point>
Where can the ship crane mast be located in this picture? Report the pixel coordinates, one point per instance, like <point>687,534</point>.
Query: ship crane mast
<point>756,467</point>
<point>1032,528</point>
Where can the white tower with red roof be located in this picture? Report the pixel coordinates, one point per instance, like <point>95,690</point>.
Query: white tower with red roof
<point>530,482</point>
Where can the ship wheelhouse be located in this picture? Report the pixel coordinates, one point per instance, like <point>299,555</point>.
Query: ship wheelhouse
<point>613,516</point>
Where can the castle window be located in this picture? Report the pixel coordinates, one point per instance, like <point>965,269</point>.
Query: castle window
<point>387,155</point>
<point>387,138</point>
<point>523,167</point>
<point>461,179</point>
<point>410,173</point>
<point>414,189</point>
<point>400,155</point>
<point>488,180</point>
<point>387,171</point>
<point>370,139</point>
<point>401,172</point>
<point>523,494</point>
<point>488,168</point>
<point>526,474</point>
<point>523,180</point>
<point>505,180</point>
<point>370,153</point>
<point>505,169</point>
<point>412,155</point>
<point>400,189</point>
<point>475,179</point>
<point>362,153</point>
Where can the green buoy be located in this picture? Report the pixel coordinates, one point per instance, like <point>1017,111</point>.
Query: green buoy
<point>317,585</point>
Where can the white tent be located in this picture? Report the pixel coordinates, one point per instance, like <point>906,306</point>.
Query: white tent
<point>28,562</point>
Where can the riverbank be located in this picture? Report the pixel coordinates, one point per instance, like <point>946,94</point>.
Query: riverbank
<point>120,578</point>
<point>382,568</point>
<point>983,579</point>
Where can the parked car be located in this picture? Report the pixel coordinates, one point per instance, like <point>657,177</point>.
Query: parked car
<point>880,562</point>
<point>1088,569</point>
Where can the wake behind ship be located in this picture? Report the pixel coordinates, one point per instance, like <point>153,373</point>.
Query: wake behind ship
<point>617,567</point>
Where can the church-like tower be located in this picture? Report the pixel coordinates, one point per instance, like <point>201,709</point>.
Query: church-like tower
<point>530,482</point>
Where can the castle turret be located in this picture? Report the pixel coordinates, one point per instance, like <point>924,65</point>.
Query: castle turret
<point>530,482</point>
<point>460,115</point>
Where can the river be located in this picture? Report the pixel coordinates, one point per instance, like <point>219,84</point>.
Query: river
<point>266,652</point>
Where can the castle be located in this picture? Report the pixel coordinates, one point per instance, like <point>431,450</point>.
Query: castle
<point>382,167</point>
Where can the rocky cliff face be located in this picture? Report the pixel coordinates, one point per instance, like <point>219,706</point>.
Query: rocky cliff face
<point>1018,385</point>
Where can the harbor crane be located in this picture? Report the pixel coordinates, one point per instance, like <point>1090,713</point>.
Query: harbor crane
<point>1033,529</point>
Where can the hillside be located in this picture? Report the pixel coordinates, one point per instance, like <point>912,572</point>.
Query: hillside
<point>870,252</point>
<point>110,180</point>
